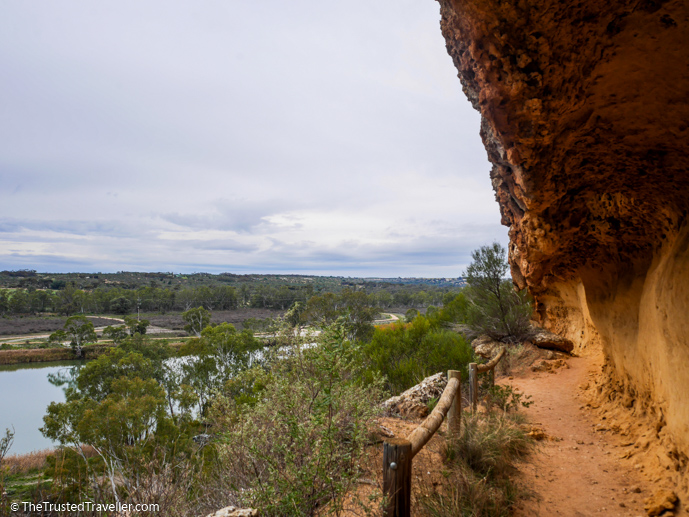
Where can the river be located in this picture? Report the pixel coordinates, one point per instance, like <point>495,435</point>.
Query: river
<point>26,392</point>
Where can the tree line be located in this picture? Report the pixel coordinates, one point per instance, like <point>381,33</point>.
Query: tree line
<point>115,300</point>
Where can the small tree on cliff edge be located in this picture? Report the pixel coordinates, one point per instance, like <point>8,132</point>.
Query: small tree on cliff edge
<point>495,307</point>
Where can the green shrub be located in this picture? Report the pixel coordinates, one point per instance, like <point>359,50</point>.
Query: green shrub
<point>406,353</point>
<point>410,315</point>
<point>506,399</point>
<point>297,447</point>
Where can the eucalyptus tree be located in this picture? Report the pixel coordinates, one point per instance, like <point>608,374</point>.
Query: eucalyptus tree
<point>78,330</point>
<point>495,307</point>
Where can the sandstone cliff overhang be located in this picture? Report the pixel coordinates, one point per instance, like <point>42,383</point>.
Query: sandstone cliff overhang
<point>585,117</point>
<point>586,122</point>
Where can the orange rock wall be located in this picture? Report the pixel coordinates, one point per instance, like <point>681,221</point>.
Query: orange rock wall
<point>585,117</point>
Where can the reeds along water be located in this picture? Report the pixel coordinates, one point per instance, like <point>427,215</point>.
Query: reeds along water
<point>31,461</point>
<point>25,463</point>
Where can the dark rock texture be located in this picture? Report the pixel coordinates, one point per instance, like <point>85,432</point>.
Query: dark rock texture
<point>585,117</point>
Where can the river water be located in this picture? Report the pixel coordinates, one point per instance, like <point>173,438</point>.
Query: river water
<point>26,391</point>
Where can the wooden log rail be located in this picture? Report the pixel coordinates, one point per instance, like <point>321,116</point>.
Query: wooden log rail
<point>490,365</point>
<point>399,452</point>
<point>475,369</point>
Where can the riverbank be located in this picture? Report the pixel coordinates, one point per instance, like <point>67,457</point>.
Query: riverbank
<point>48,355</point>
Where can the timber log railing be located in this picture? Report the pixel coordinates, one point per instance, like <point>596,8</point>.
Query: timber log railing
<point>399,452</point>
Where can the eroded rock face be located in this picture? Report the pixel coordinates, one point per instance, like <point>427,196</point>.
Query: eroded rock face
<point>585,117</point>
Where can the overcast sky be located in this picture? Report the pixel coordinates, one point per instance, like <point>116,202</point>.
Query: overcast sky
<point>234,135</point>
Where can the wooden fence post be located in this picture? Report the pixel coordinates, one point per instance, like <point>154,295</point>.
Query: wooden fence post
<point>473,385</point>
<point>454,415</point>
<point>397,477</point>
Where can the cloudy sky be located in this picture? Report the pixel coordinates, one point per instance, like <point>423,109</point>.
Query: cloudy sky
<point>234,135</point>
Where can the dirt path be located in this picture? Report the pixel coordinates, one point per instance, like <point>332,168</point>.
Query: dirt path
<point>391,318</point>
<point>577,472</point>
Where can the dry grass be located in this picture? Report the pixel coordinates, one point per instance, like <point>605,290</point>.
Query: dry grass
<point>35,355</point>
<point>479,465</point>
<point>32,461</point>
<point>25,463</point>
<point>43,355</point>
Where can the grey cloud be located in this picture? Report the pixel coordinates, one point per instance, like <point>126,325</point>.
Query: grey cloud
<point>223,114</point>
<point>111,228</point>
<point>241,215</point>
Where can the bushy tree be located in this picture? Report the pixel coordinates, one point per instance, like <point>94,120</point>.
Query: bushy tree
<point>220,354</point>
<point>406,353</point>
<point>354,308</point>
<point>137,424</point>
<point>299,445</point>
<point>410,315</point>
<point>495,308</point>
<point>136,326</point>
<point>120,305</point>
<point>196,320</point>
<point>79,330</point>
<point>117,334</point>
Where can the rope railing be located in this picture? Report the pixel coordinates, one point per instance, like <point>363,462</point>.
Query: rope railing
<point>399,452</point>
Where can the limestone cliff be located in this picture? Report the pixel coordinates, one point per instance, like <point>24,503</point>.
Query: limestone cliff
<point>585,117</point>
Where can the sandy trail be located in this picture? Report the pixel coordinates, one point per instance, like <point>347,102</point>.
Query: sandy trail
<point>578,473</point>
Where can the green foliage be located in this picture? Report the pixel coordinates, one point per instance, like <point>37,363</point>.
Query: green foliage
<point>120,305</point>
<point>455,309</point>
<point>410,315</point>
<point>161,292</point>
<point>293,317</point>
<point>127,407</point>
<point>196,320</point>
<point>136,326</point>
<point>298,446</point>
<point>58,284</point>
<point>506,399</point>
<point>116,334</point>
<point>219,355</point>
<point>261,325</point>
<point>495,308</point>
<point>354,308</point>
<point>79,330</point>
<point>406,353</point>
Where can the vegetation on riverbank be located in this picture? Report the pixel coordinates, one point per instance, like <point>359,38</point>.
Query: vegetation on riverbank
<point>44,355</point>
<point>227,419</point>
